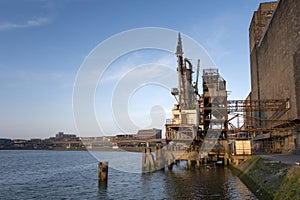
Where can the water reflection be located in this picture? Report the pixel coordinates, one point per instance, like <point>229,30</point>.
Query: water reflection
<point>203,183</point>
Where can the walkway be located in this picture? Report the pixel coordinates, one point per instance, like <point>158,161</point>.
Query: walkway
<point>284,158</point>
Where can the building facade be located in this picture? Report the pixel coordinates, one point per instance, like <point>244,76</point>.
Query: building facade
<point>274,36</point>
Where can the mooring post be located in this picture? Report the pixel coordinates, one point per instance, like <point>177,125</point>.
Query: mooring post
<point>102,174</point>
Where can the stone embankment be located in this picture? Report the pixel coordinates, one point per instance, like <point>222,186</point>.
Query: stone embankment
<point>268,177</point>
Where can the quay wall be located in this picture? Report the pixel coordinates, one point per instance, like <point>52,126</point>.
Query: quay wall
<point>269,179</point>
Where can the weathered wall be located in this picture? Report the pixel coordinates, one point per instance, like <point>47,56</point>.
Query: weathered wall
<point>257,28</point>
<point>297,77</point>
<point>259,22</point>
<point>275,72</point>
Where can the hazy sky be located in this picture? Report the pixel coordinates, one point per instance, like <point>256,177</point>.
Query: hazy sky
<point>44,43</point>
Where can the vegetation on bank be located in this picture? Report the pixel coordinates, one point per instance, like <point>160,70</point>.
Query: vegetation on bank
<point>290,187</point>
<point>242,171</point>
<point>269,179</point>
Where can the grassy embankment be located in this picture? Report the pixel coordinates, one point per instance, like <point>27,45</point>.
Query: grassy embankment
<point>268,179</point>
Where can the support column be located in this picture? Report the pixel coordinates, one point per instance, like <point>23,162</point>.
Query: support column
<point>189,164</point>
<point>225,161</point>
<point>160,165</point>
<point>205,160</point>
<point>143,160</point>
<point>148,163</point>
<point>169,159</point>
<point>198,164</point>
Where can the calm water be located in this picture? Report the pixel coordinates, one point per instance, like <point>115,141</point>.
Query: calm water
<point>73,175</point>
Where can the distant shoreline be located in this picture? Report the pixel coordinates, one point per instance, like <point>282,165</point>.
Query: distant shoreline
<point>78,149</point>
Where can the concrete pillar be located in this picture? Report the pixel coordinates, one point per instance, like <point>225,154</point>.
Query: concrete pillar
<point>225,161</point>
<point>236,162</point>
<point>159,158</point>
<point>148,163</point>
<point>143,160</point>
<point>198,164</point>
<point>189,164</point>
<point>170,166</point>
<point>169,158</point>
<point>102,174</point>
<point>226,158</point>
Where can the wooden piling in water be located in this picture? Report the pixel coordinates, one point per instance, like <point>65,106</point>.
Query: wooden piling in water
<point>102,174</point>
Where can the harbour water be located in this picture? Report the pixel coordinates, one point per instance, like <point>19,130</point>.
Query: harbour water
<point>73,175</point>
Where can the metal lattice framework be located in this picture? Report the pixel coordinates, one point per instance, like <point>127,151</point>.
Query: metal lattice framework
<point>258,105</point>
<point>271,123</point>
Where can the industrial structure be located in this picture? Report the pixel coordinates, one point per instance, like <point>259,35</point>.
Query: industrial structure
<point>198,121</point>
<point>202,128</point>
<point>208,126</point>
<point>197,131</point>
<point>185,123</point>
<point>270,115</point>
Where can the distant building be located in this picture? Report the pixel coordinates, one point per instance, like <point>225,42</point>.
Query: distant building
<point>95,142</point>
<point>61,141</point>
<point>34,143</point>
<point>149,134</point>
<point>62,135</point>
<point>125,137</point>
<point>19,143</point>
<point>5,143</point>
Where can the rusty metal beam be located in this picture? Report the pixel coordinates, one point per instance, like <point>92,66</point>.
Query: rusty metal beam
<point>256,105</point>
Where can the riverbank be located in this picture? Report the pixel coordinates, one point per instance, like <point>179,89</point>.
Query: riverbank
<point>269,179</point>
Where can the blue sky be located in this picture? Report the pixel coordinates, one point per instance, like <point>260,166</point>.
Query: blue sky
<point>44,43</point>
